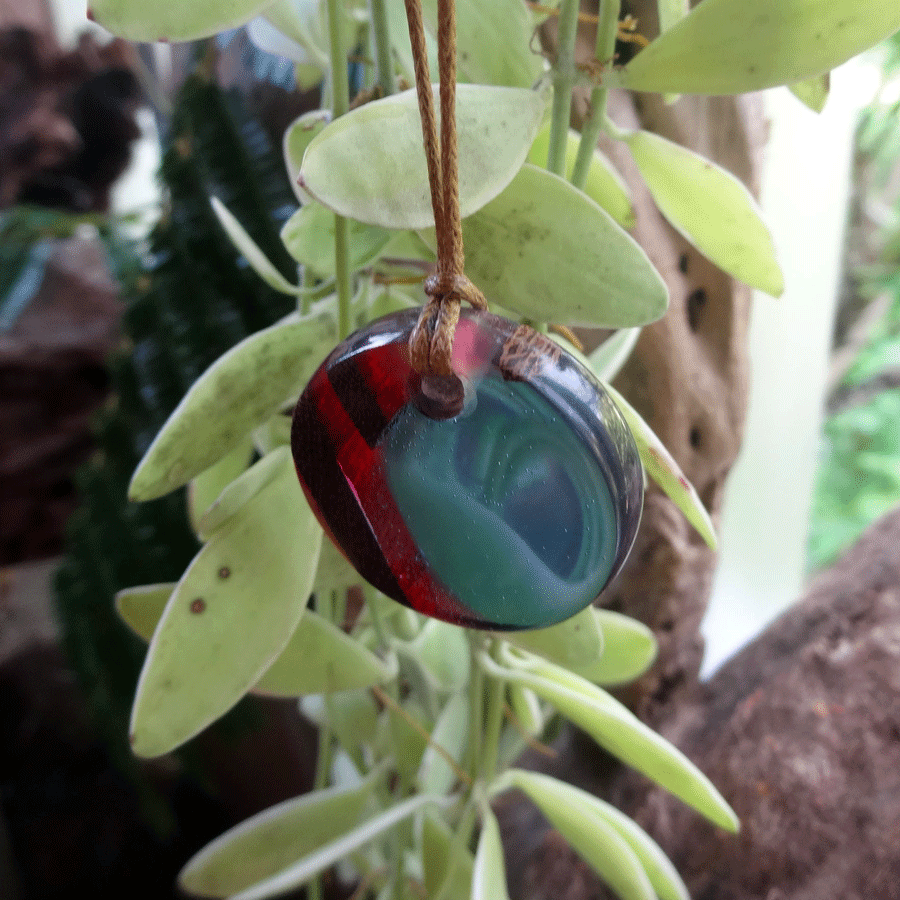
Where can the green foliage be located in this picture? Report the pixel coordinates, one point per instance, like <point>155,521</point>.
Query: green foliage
<point>241,390</point>
<point>140,21</point>
<point>604,185</point>
<point>413,772</point>
<point>726,47</point>
<point>252,578</point>
<point>858,478</point>
<point>269,842</point>
<point>710,207</point>
<point>187,300</point>
<point>369,164</point>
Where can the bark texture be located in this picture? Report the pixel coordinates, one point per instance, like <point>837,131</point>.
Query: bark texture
<point>687,377</point>
<point>801,733</point>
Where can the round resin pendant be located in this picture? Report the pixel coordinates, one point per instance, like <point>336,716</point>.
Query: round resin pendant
<point>513,512</point>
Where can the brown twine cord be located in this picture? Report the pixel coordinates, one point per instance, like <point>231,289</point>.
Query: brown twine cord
<point>431,342</point>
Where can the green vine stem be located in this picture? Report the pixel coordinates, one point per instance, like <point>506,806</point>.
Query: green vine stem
<point>340,103</point>
<point>476,703</point>
<point>607,29</point>
<point>384,63</point>
<point>496,690</point>
<point>563,82</point>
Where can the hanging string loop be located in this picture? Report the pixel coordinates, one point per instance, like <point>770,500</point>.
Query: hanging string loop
<point>431,342</point>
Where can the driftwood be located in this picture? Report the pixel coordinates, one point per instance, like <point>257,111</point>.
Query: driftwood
<point>800,732</point>
<point>688,377</point>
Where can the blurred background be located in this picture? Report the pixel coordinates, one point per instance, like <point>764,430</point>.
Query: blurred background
<point>117,289</point>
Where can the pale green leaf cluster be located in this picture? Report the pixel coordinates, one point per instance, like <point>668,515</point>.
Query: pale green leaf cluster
<point>710,207</point>
<point>730,47</point>
<point>370,165</point>
<point>418,719</point>
<point>230,615</point>
<point>604,185</point>
<point>240,391</point>
<point>543,249</point>
<point>138,20</point>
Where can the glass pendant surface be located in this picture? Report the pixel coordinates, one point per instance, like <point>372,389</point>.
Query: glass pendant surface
<point>506,498</point>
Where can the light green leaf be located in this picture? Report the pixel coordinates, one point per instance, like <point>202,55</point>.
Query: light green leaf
<point>205,488</point>
<point>404,742</point>
<point>141,608</point>
<point>441,651</point>
<point>334,572</point>
<point>663,469</point>
<point>604,185</point>
<point>598,831</point>
<point>138,20</point>
<point>320,657</point>
<point>619,731</point>
<point>451,733</point>
<point>527,709</point>
<point>231,614</point>
<point>576,642</point>
<point>269,842</point>
<point>729,47</point>
<point>629,649</point>
<point>489,872</point>
<point>238,493</point>
<point>590,835</point>
<point>385,299</point>
<point>259,262</point>
<point>507,58</point>
<point>306,24</point>
<point>438,850</point>
<point>610,356</point>
<point>546,251</point>
<point>813,92</point>
<point>671,12</point>
<point>241,389</point>
<point>399,30</point>
<point>711,208</point>
<point>326,856</point>
<point>296,139</point>
<point>353,717</point>
<point>308,236</point>
<point>369,165</point>
<point>274,432</point>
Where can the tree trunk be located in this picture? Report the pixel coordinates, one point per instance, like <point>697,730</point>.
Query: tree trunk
<point>687,377</point>
<point>801,733</point>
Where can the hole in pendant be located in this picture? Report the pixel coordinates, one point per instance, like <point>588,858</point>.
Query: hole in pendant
<point>440,396</point>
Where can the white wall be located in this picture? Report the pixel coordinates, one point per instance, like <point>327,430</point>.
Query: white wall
<point>806,182</point>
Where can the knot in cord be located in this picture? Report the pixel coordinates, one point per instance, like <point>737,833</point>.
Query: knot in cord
<point>431,341</point>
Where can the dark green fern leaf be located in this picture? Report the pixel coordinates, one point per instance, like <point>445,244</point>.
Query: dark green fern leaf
<point>188,297</point>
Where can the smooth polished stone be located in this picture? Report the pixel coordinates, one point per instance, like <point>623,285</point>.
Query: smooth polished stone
<point>507,500</point>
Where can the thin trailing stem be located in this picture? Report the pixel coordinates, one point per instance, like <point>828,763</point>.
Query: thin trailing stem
<point>384,63</point>
<point>607,30</point>
<point>476,703</point>
<point>461,838</point>
<point>340,103</point>
<point>493,722</point>
<point>564,73</point>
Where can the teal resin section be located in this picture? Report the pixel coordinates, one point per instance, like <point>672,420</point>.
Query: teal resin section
<point>534,525</point>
